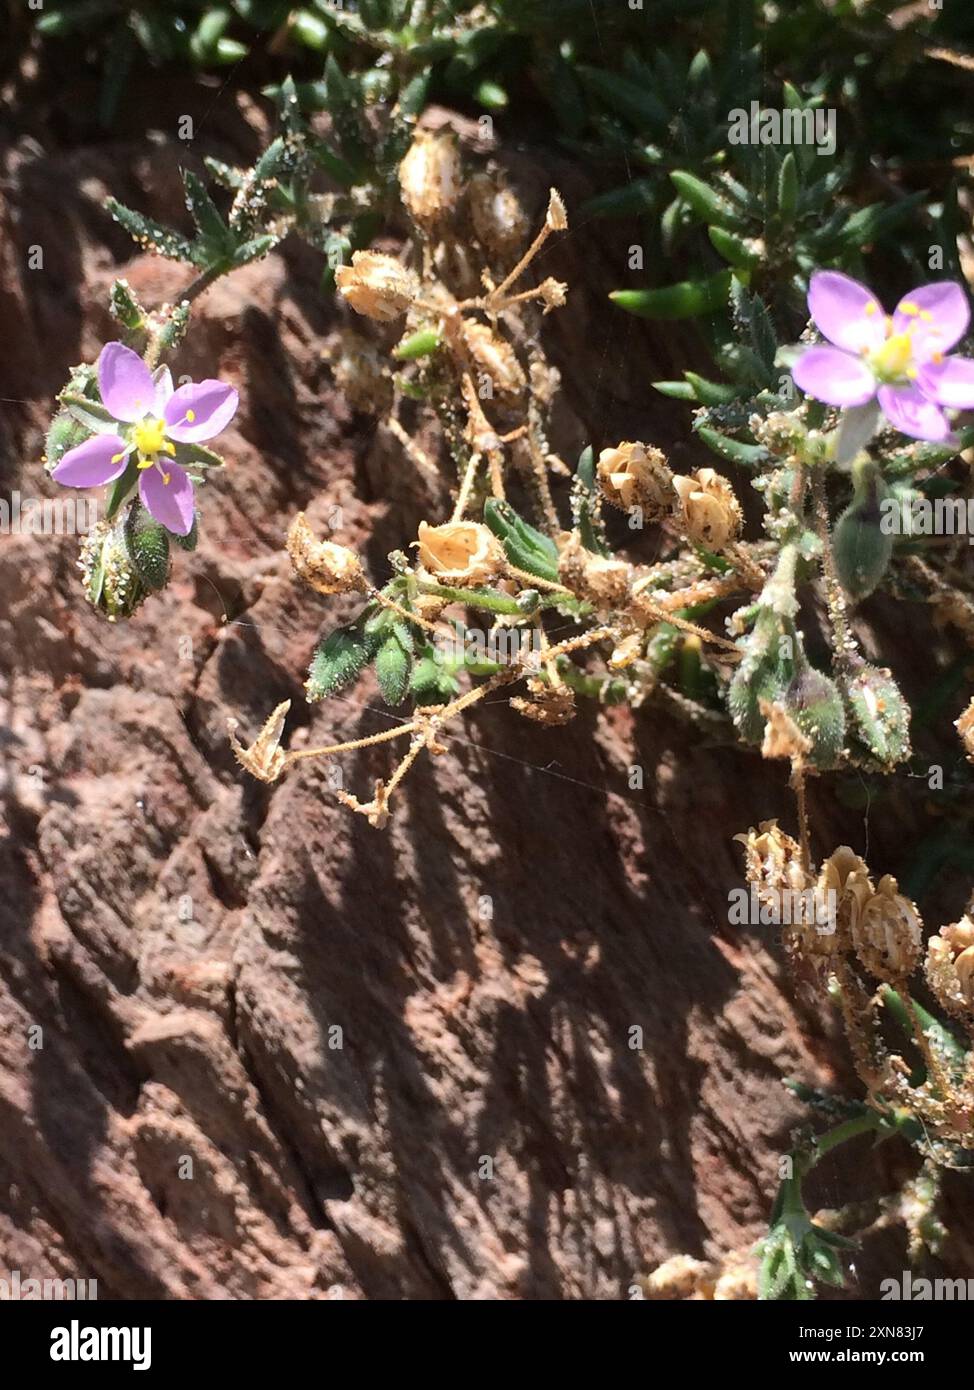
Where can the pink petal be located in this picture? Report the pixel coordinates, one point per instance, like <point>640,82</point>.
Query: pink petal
<point>171,503</point>
<point>910,411</point>
<point>212,404</point>
<point>846,312</point>
<point>164,389</point>
<point>949,314</point>
<point>834,376</point>
<point>950,383</point>
<point>100,459</point>
<point>125,382</point>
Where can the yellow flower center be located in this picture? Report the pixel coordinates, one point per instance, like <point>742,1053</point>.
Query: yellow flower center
<point>894,358</point>
<point>150,438</point>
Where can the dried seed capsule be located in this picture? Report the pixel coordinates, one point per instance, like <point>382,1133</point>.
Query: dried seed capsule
<point>495,358</point>
<point>708,510</point>
<point>323,565</point>
<point>377,286</point>
<point>842,891</point>
<point>361,374</point>
<point>636,475</point>
<point>887,935</point>
<point>497,215</point>
<point>429,176</point>
<point>460,552</point>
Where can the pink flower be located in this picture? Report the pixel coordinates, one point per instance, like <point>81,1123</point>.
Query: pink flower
<point>149,420</point>
<point>901,359</point>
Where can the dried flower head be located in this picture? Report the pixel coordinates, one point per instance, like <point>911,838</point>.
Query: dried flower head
<point>965,727</point>
<point>546,703</point>
<point>377,285</point>
<point>949,967</point>
<point>709,512</point>
<point>323,565</point>
<point>606,583</point>
<point>264,759</point>
<point>782,736</point>
<point>556,217</point>
<point>773,862</point>
<point>554,294</point>
<point>636,475</point>
<point>498,218</point>
<point>887,935</point>
<point>430,176</point>
<point>460,552</point>
<point>627,651</point>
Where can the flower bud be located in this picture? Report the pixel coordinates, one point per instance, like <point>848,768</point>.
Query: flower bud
<point>377,285</point>
<point>460,552</point>
<point>498,218</point>
<point>323,565</point>
<point>708,510</point>
<point>862,549</point>
<point>429,176</point>
<point>879,715</point>
<point>636,475</point>
<point>887,935</point>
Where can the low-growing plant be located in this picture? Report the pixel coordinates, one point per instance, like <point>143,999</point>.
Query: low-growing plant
<point>521,594</point>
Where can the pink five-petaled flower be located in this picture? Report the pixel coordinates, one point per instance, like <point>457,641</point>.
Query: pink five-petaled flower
<point>899,358</point>
<point>151,419</point>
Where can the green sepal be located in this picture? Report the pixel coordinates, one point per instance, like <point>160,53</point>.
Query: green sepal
<point>339,659</point>
<point>393,667</point>
<point>147,543</point>
<point>525,546</point>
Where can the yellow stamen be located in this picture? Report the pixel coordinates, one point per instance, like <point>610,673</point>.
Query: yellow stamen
<point>872,308</point>
<point>150,436</point>
<point>894,357</point>
<point>926,315</point>
<point>191,415</point>
<point>910,308</point>
<point>166,478</point>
